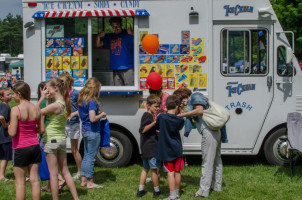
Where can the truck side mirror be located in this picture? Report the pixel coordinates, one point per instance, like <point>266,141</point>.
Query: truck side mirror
<point>289,55</point>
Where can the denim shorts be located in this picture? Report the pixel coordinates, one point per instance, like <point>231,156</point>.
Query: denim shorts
<point>151,163</point>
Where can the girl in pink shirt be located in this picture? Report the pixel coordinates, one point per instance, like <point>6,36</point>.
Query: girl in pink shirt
<point>24,125</point>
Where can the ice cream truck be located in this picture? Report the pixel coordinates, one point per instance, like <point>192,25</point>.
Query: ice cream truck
<point>233,51</point>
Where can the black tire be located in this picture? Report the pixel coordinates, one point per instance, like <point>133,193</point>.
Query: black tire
<point>275,148</point>
<point>119,154</point>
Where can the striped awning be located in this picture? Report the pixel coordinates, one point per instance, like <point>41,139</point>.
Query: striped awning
<point>90,13</point>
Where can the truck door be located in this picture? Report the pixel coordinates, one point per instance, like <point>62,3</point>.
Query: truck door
<point>242,82</point>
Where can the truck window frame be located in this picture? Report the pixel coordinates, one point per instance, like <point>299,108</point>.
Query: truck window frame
<point>225,55</point>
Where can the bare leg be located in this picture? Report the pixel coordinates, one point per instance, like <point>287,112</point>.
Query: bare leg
<point>76,154</point>
<point>20,175</point>
<point>154,177</point>
<point>34,181</point>
<point>66,174</point>
<point>177,180</point>
<point>3,166</point>
<point>171,181</point>
<point>143,177</point>
<point>53,172</point>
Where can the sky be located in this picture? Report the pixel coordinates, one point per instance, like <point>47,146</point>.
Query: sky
<point>10,6</point>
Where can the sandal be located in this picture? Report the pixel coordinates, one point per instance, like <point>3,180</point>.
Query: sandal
<point>45,189</point>
<point>62,185</point>
<point>4,179</point>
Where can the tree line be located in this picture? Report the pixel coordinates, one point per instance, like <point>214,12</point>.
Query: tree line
<point>289,13</point>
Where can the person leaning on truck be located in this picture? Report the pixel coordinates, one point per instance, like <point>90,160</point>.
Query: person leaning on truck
<point>121,44</point>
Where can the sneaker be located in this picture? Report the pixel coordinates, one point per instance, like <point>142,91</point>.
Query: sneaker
<point>156,194</point>
<point>140,193</point>
<point>76,176</point>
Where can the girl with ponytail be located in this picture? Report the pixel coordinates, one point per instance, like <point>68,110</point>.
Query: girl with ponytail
<point>55,139</point>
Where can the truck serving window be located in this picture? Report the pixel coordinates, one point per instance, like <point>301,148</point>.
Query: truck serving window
<point>66,48</point>
<point>244,52</point>
<point>113,50</point>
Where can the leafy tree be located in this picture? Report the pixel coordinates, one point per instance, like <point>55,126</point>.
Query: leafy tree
<point>290,16</point>
<point>11,35</point>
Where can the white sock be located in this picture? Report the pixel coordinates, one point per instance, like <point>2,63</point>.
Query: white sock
<point>141,187</point>
<point>177,192</point>
<point>156,189</point>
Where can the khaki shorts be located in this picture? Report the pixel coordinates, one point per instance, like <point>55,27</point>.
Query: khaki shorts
<point>73,131</point>
<point>59,146</point>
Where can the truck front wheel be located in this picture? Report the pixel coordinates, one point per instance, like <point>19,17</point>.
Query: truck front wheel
<point>275,148</point>
<point>118,154</point>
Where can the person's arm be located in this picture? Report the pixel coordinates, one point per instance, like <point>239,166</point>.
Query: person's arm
<point>3,122</point>
<point>74,114</point>
<point>94,118</point>
<point>197,111</point>
<point>148,127</point>
<point>99,42</point>
<point>41,124</point>
<point>130,30</point>
<point>53,108</point>
<point>13,126</point>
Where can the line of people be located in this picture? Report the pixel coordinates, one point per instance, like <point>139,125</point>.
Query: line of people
<point>26,127</point>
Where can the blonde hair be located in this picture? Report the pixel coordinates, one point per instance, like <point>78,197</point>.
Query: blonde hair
<point>64,91</point>
<point>65,76</point>
<point>90,91</point>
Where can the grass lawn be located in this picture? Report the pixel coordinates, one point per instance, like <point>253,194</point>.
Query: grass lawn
<point>244,177</point>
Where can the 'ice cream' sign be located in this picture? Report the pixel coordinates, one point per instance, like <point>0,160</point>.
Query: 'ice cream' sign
<point>237,9</point>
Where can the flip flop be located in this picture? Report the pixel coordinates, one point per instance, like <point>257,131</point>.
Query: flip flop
<point>96,187</point>
<point>5,179</point>
<point>62,185</point>
<point>45,190</point>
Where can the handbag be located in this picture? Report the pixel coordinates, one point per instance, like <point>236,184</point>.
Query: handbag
<point>216,116</point>
<point>105,133</point>
<point>43,168</point>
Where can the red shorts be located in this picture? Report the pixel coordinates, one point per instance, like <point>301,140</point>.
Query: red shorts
<point>174,165</point>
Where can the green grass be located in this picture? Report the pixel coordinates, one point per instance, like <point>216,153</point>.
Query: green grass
<point>245,177</point>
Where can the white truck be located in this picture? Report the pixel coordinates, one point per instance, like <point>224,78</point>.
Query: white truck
<point>233,51</point>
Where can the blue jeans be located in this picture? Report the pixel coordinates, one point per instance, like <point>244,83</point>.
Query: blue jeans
<point>91,147</point>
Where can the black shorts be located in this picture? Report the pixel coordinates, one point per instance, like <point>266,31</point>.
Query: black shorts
<point>26,156</point>
<point>6,151</point>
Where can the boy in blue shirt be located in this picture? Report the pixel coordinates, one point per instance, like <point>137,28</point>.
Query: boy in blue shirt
<point>148,143</point>
<point>5,139</point>
<point>169,146</point>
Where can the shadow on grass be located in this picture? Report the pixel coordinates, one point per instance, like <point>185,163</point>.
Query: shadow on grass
<point>65,194</point>
<point>102,176</point>
<point>234,160</point>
